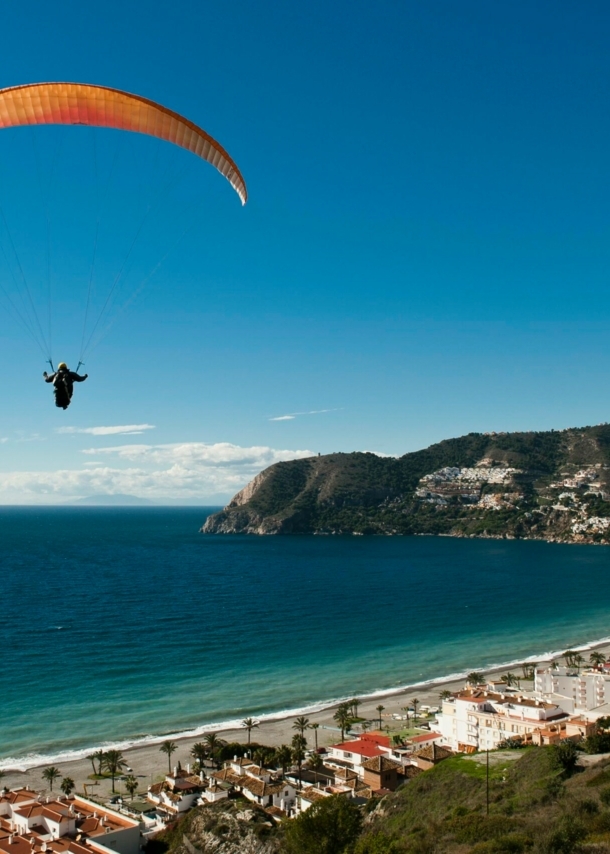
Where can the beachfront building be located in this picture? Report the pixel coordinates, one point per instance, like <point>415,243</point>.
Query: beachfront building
<point>353,754</point>
<point>37,821</point>
<point>477,719</point>
<point>576,690</point>
<point>177,793</point>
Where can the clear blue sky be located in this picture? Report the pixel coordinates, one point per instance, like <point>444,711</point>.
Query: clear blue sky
<point>425,251</point>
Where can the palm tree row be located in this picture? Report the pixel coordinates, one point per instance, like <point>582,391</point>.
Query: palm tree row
<point>51,774</point>
<point>209,748</point>
<point>573,659</point>
<point>110,761</point>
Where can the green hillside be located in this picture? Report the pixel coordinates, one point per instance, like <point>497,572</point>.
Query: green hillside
<point>551,485</point>
<point>537,801</point>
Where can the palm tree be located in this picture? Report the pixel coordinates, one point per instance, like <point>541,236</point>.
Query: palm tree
<point>528,668</point>
<point>301,724</point>
<point>415,703</point>
<point>354,703</point>
<point>99,755</point>
<point>92,757</point>
<point>169,747</point>
<point>51,774</point>
<point>315,763</point>
<point>444,695</point>
<point>283,756</point>
<point>213,744</point>
<point>199,751</point>
<point>67,785</point>
<point>114,762</point>
<point>578,660</point>
<point>212,741</point>
<point>248,723</point>
<point>259,755</point>
<point>380,709</point>
<point>298,752</point>
<point>365,725</point>
<point>597,659</point>
<point>476,679</point>
<point>342,717</point>
<point>131,784</point>
<point>509,679</point>
<point>315,728</point>
<point>406,710</point>
<point>569,657</point>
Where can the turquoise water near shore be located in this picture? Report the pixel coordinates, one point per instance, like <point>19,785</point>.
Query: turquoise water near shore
<point>121,625</point>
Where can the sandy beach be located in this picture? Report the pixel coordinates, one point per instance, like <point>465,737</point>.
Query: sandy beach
<point>149,764</point>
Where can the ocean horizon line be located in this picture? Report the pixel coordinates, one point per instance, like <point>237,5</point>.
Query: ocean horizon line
<point>29,761</point>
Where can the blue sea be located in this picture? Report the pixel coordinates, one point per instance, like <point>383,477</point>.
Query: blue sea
<point>124,625</point>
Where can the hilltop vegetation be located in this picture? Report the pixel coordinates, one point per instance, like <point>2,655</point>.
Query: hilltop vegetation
<point>547,485</point>
<point>539,803</point>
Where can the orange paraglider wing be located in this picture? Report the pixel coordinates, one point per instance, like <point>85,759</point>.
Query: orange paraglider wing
<point>99,106</point>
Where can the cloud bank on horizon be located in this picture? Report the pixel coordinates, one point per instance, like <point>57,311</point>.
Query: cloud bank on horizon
<point>185,470</point>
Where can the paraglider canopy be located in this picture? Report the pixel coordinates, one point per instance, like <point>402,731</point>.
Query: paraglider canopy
<point>100,106</point>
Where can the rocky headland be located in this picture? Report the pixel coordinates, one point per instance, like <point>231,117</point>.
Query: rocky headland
<point>552,486</point>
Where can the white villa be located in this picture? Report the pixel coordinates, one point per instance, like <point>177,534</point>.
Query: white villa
<point>178,792</point>
<point>257,784</point>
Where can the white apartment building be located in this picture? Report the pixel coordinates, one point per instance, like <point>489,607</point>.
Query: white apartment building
<point>583,691</point>
<point>38,821</point>
<point>478,719</point>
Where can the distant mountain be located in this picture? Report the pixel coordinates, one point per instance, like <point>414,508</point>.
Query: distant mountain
<point>116,500</point>
<point>546,485</point>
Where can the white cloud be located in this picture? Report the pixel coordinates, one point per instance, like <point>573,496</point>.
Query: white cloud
<point>173,471</point>
<point>127,429</point>
<point>294,415</point>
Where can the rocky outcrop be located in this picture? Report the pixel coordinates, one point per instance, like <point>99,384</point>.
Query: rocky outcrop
<point>550,485</point>
<point>228,828</point>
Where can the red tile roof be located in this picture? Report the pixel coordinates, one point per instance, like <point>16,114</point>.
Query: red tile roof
<point>377,737</point>
<point>427,736</point>
<point>362,748</point>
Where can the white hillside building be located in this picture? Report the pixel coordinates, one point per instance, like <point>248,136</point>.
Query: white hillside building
<point>476,719</point>
<point>583,691</point>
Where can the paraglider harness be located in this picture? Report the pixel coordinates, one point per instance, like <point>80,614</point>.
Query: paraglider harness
<point>62,386</point>
<point>62,389</point>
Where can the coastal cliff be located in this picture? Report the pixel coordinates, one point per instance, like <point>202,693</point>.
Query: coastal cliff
<point>551,485</point>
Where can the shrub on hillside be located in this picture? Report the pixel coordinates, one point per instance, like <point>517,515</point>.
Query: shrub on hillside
<point>598,743</point>
<point>330,826</point>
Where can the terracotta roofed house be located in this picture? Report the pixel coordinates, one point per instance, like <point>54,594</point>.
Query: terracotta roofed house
<point>351,754</point>
<point>381,773</point>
